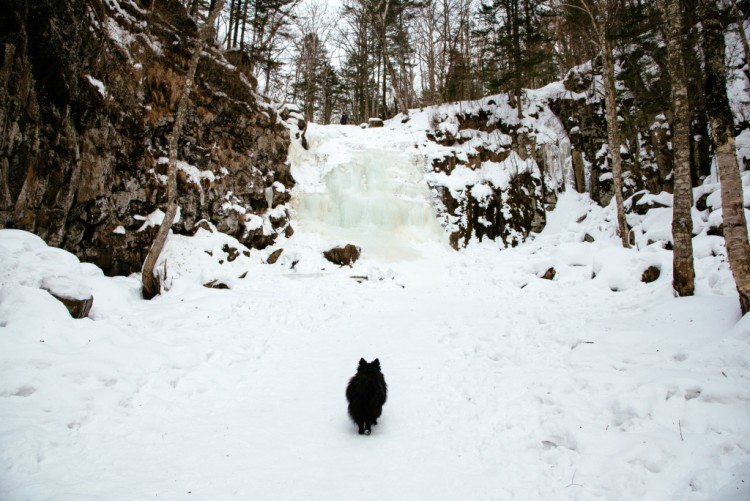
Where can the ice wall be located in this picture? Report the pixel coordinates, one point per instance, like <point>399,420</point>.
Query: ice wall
<point>377,199</point>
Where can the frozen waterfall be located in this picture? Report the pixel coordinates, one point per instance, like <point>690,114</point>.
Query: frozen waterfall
<point>376,198</point>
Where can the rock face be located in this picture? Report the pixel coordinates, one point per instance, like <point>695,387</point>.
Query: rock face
<point>88,91</point>
<point>484,210</point>
<point>488,182</point>
<point>559,141</point>
<point>644,109</point>
<point>343,256</point>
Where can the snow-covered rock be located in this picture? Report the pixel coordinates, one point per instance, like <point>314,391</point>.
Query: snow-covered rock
<point>27,262</point>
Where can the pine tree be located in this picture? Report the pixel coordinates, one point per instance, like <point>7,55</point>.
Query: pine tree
<point>516,44</point>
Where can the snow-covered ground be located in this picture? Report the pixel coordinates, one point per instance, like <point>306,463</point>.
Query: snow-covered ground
<point>502,385</point>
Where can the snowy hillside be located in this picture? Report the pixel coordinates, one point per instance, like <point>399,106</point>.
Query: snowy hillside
<point>502,384</point>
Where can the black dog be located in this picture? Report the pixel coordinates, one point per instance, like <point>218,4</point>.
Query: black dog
<point>366,394</point>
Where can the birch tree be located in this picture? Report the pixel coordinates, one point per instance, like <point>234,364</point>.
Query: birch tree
<point>603,14</point>
<point>151,284</point>
<point>720,117</point>
<point>683,271</point>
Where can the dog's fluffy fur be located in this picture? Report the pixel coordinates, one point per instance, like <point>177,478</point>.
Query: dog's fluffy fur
<point>366,394</point>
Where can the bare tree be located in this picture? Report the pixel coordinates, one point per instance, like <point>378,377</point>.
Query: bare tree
<point>720,116</point>
<point>428,50</point>
<point>378,15</point>
<point>151,284</point>
<point>683,270</point>
<point>603,15</point>
<point>355,44</point>
<point>315,29</point>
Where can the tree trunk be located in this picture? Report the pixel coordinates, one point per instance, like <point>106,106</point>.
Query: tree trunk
<point>152,285</point>
<point>237,24</point>
<point>378,22</point>
<point>394,80</point>
<point>230,24</point>
<point>516,38</point>
<point>384,113</point>
<point>683,271</point>
<point>743,36</point>
<point>720,116</point>
<point>242,33</point>
<point>613,131</point>
<point>578,170</point>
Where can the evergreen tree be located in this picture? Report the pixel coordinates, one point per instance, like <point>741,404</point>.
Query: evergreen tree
<point>517,43</point>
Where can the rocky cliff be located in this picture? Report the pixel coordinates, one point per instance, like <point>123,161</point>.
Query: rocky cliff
<point>494,172</point>
<point>88,90</point>
<point>559,141</point>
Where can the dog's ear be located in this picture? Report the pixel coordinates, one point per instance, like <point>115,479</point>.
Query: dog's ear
<point>362,362</point>
<point>376,363</point>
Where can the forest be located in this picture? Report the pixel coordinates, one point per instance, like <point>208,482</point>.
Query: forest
<point>376,58</point>
<point>658,60</point>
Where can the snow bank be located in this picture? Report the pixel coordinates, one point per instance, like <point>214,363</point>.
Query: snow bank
<point>27,262</point>
<point>502,385</point>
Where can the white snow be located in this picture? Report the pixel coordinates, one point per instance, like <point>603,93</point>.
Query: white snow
<point>98,85</point>
<point>27,263</point>
<point>192,173</point>
<point>151,220</point>
<point>502,385</point>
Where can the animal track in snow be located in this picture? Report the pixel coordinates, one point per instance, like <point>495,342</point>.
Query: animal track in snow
<point>692,393</point>
<point>22,391</point>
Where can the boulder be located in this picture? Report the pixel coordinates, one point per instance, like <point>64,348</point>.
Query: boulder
<point>717,231</point>
<point>702,203</point>
<point>274,256</point>
<point>343,256</point>
<point>375,122</point>
<point>216,284</point>
<point>232,252</point>
<point>651,274</point>
<point>78,308</point>
<point>27,260</point>
<point>549,274</point>
<point>578,80</point>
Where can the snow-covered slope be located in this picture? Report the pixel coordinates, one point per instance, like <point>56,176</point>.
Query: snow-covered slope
<point>503,385</point>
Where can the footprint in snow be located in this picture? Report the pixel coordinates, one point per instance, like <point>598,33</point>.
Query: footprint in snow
<point>22,391</point>
<point>692,393</point>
